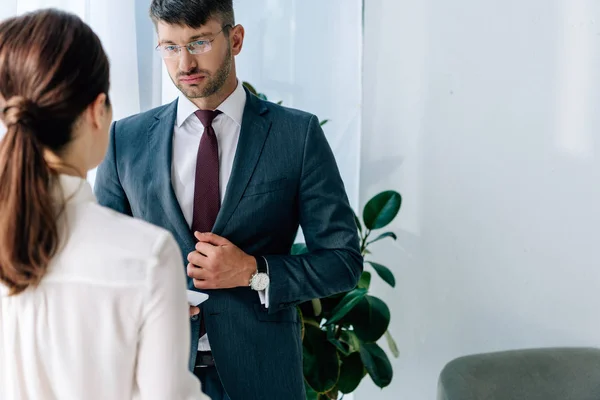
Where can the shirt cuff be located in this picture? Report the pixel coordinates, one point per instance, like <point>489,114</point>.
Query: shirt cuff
<point>264,294</point>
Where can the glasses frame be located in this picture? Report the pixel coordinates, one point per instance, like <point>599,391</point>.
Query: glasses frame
<point>161,47</point>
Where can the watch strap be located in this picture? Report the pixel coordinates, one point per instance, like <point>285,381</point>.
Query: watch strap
<point>261,264</point>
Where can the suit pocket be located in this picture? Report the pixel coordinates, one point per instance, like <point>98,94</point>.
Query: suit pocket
<point>285,315</point>
<point>254,189</point>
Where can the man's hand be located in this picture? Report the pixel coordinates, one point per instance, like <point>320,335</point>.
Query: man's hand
<point>194,311</point>
<point>219,264</point>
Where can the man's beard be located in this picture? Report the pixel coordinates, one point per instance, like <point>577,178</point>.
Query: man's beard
<point>213,84</point>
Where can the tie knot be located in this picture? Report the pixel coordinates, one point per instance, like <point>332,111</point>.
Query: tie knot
<point>207,116</point>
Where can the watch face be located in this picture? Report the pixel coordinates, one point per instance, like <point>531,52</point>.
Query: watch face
<point>260,281</point>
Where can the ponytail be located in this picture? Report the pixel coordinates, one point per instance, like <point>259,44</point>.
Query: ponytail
<point>52,68</point>
<point>28,221</point>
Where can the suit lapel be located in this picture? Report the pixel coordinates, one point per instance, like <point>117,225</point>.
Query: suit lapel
<point>253,134</point>
<point>160,139</point>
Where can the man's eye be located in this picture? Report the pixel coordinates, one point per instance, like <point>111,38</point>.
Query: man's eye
<point>199,43</point>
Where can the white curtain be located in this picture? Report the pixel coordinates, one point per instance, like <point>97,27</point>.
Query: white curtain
<point>117,23</point>
<point>308,53</point>
<point>128,38</point>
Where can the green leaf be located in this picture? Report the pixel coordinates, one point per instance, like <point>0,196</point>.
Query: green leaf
<point>365,280</point>
<point>321,360</point>
<point>329,304</point>
<point>306,308</point>
<point>332,394</point>
<point>312,322</point>
<point>370,319</point>
<point>351,373</point>
<point>262,96</point>
<point>392,344</point>
<point>250,88</point>
<point>382,209</point>
<point>280,102</point>
<point>318,309</point>
<point>323,122</point>
<point>377,364</point>
<point>310,393</point>
<point>383,236</point>
<point>384,272</point>
<point>301,318</point>
<point>348,302</point>
<point>299,248</point>
<point>358,224</point>
<point>351,339</point>
<point>342,347</point>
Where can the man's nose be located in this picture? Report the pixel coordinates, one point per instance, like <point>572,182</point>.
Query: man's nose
<point>187,61</point>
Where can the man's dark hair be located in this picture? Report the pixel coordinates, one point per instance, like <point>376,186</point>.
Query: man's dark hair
<point>192,13</point>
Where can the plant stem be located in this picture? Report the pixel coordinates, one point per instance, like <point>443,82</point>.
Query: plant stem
<point>338,331</point>
<point>311,322</point>
<point>363,244</point>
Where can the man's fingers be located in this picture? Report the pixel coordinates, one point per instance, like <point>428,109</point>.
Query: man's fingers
<point>197,273</point>
<point>204,284</point>
<point>194,311</point>
<point>208,237</point>
<point>197,259</point>
<point>205,249</point>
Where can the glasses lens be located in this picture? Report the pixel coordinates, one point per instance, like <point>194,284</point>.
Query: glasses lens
<point>168,51</point>
<point>199,47</point>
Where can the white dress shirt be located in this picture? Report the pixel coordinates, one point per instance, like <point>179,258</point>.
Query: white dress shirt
<point>186,140</point>
<point>108,321</point>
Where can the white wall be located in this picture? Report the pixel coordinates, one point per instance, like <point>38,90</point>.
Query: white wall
<point>485,116</point>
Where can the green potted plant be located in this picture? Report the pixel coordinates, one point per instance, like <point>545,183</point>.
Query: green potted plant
<point>340,333</point>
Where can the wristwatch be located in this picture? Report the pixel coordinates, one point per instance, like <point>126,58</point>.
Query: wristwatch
<point>260,280</point>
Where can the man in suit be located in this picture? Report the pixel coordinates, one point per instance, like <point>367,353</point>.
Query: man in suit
<point>233,177</point>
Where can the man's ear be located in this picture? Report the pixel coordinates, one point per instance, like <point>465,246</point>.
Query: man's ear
<point>237,39</point>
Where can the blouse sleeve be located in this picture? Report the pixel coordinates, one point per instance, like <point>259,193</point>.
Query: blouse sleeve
<point>164,338</point>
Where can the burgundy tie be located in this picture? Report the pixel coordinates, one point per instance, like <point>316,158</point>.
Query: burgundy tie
<point>207,199</point>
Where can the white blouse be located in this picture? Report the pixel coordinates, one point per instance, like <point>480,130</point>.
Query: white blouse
<point>109,320</point>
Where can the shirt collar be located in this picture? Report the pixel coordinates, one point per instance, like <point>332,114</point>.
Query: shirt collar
<point>233,106</point>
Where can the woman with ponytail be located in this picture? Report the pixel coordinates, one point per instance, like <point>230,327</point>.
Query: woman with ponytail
<point>82,315</point>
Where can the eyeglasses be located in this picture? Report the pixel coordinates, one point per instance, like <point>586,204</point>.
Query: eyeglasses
<point>195,47</point>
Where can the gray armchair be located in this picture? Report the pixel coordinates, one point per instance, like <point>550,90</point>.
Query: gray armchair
<point>533,374</point>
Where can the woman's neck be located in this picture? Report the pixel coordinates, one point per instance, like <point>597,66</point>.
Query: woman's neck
<point>64,166</point>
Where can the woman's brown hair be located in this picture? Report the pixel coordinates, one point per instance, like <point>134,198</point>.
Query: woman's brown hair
<point>52,67</point>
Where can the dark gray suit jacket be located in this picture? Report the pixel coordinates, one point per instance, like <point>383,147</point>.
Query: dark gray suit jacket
<point>284,175</point>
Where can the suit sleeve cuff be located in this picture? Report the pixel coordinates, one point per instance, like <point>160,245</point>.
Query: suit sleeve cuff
<point>264,294</point>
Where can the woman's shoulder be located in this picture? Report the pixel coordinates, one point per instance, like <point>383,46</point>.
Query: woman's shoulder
<point>111,234</point>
